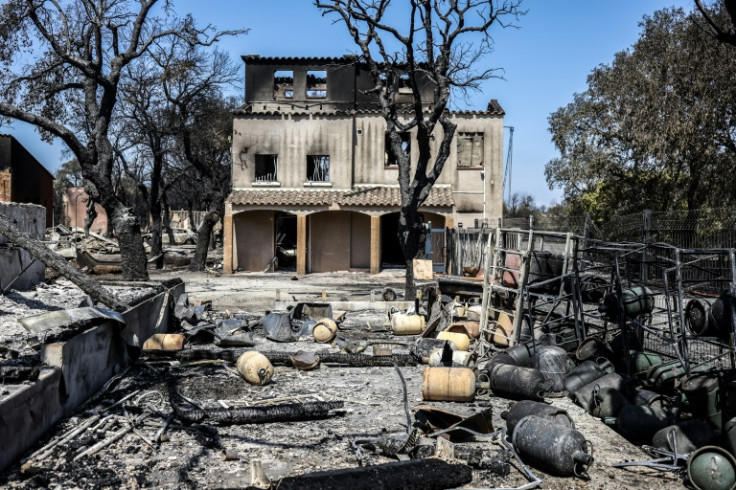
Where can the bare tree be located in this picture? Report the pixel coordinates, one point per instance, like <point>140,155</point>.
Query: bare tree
<point>718,26</point>
<point>62,65</point>
<point>441,42</point>
<point>193,83</point>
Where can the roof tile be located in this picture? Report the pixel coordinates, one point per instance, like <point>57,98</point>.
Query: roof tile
<point>360,196</point>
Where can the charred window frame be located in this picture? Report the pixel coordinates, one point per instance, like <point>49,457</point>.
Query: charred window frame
<point>316,84</point>
<point>470,150</point>
<point>267,167</point>
<point>404,86</point>
<point>318,168</point>
<point>283,84</point>
<point>390,159</point>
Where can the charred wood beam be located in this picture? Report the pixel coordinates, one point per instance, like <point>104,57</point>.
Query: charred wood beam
<point>425,474</point>
<point>289,412</point>
<point>284,358</point>
<point>18,374</point>
<point>38,250</point>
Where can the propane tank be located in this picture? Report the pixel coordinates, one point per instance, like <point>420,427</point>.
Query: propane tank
<point>712,468</point>
<point>255,367</point>
<point>522,354</point>
<point>521,409</point>
<point>518,382</point>
<point>685,436</point>
<point>459,357</point>
<point>469,328</point>
<point>551,361</point>
<point>407,324</point>
<point>584,396</point>
<point>702,392</point>
<point>582,374</point>
<point>452,384</point>
<point>641,423</point>
<point>164,341</point>
<point>461,341</point>
<point>698,316</point>
<point>636,301</point>
<point>557,448</point>
<point>324,330</point>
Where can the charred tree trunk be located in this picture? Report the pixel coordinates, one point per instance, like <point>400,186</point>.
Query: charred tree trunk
<point>90,216</point>
<point>199,261</point>
<point>167,220</point>
<point>190,210</point>
<point>39,251</point>
<point>254,415</point>
<point>424,474</point>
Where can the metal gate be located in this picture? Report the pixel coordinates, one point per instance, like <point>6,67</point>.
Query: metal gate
<point>437,249</point>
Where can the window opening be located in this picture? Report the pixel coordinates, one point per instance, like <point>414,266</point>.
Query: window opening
<point>283,84</point>
<point>390,159</point>
<point>318,168</point>
<point>267,168</point>
<point>470,150</point>
<point>317,84</point>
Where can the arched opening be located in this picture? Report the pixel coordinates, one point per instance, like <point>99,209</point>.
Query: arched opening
<point>338,240</point>
<point>285,241</point>
<point>391,255</point>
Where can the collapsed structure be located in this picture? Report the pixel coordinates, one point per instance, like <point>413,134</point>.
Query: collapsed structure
<point>313,178</point>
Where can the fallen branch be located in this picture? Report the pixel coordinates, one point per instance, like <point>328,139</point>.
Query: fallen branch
<point>425,474</point>
<point>39,251</point>
<point>255,415</point>
<point>284,358</point>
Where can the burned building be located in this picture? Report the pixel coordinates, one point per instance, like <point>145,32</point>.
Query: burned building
<point>23,179</point>
<point>312,178</point>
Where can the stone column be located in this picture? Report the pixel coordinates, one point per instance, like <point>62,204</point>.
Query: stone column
<point>375,244</point>
<point>301,245</point>
<point>227,239</point>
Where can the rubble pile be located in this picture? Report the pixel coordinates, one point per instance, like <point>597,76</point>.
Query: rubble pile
<point>570,362</point>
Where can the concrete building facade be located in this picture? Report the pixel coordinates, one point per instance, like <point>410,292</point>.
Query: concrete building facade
<point>23,179</point>
<point>311,171</point>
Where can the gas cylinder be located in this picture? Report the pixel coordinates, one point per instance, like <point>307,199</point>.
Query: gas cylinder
<point>461,341</point>
<point>712,468</point>
<point>407,324</point>
<point>453,384</point>
<point>164,341</point>
<point>521,409</point>
<point>255,367</point>
<point>554,447</point>
<point>324,330</point>
<point>518,382</point>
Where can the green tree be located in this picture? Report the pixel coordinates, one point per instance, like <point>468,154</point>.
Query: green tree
<point>655,129</point>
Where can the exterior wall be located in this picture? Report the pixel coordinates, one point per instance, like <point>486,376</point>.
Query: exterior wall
<point>29,181</point>
<point>253,240</point>
<point>292,138</point>
<point>348,84</point>
<point>5,185</point>
<point>31,219</point>
<point>74,200</point>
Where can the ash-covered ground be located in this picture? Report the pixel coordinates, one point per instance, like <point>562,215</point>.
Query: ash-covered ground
<point>155,449</point>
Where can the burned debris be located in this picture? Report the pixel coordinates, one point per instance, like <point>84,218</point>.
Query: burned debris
<point>570,361</point>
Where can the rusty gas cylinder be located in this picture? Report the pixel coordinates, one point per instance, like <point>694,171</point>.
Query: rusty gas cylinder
<point>461,341</point>
<point>164,341</point>
<point>255,367</point>
<point>324,330</point>
<point>452,384</point>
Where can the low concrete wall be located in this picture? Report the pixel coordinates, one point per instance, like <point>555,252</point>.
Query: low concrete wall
<point>31,219</point>
<point>78,369</point>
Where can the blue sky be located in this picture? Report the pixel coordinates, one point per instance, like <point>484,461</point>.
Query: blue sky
<point>545,61</point>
